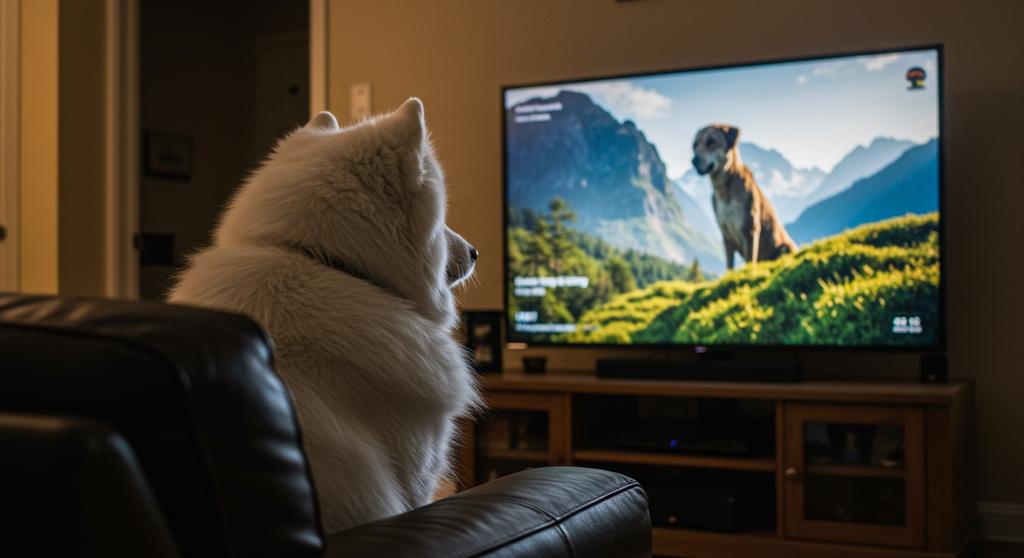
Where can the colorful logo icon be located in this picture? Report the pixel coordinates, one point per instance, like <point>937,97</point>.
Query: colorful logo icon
<point>915,76</point>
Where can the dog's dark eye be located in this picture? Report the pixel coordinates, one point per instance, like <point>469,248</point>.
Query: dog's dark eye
<point>709,143</point>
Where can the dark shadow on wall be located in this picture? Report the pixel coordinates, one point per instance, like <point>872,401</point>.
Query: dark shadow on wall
<point>219,82</point>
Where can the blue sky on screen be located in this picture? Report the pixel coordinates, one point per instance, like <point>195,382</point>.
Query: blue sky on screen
<point>813,112</point>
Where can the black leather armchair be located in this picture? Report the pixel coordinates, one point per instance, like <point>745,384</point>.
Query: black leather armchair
<point>145,429</point>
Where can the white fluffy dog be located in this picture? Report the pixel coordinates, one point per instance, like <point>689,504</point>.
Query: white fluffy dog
<point>338,247</point>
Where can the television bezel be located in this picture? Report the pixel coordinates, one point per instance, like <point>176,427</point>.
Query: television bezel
<point>941,341</point>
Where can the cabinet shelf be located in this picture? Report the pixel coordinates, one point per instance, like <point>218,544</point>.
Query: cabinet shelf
<point>870,471</point>
<point>516,455</point>
<point>669,541</point>
<point>700,461</point>
<point>690,534</point>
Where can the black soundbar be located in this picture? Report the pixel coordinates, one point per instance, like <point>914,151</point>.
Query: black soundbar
<point>714,370</point>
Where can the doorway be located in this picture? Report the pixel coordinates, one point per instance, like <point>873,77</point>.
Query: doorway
<point>219,83</point>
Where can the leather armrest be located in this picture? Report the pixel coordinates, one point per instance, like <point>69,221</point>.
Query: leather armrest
<point>540,513</point>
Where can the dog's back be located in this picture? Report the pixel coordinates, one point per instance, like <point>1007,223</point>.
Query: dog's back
<point>774,240</point>
<point>337,246</point>
<point>370,377</point>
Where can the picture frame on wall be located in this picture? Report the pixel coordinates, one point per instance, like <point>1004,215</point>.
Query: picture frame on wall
<point>167,155</point>
<point>481,330</point>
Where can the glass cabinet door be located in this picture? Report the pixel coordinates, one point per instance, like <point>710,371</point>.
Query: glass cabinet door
<point>855,474</point>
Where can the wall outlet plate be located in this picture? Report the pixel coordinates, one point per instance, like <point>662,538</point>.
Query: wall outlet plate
<point>361,101</point>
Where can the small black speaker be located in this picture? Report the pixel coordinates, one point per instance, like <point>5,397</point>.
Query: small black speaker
<point>934,368</point>
<point>535,364</point>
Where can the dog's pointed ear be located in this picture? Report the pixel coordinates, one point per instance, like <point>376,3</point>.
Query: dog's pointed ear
<point>407,126</point>
<point>405,131</point>
<point>732,133</point>
<point>323,121</point>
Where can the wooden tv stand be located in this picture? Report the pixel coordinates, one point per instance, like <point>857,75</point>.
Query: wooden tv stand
<point>830,480</point>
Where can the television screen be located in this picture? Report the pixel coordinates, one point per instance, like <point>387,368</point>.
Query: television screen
<point>792,203</point>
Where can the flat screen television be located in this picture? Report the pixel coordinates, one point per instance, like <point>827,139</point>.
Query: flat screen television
<point>791,203</point>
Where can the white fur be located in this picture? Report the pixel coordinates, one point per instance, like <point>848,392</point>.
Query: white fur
<point>374,372</point>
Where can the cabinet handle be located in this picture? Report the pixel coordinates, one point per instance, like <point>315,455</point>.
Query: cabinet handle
<point>792,473</point>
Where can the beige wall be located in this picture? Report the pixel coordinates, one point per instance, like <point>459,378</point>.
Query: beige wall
<point>38,197</point>
<point>82,117</point>
<point>455,54</point>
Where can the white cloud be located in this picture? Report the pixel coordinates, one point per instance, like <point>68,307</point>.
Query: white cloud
<point>843,68</point>
<point>828,69</point>
<point>626,99</point>
<point>876,63</point>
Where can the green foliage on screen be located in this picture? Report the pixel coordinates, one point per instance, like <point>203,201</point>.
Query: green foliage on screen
<point>842,290</point>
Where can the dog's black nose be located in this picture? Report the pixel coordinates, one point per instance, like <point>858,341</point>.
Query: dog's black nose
<point>696,163</point>
<point>473,254</point>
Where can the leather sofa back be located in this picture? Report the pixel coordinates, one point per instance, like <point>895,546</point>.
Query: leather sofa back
<point>195,395</point>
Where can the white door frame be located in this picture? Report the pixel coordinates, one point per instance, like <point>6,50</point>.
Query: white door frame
<point>319,50</point>
<point>10,141</point>
<point>123,148</point>
<point>123,132</point>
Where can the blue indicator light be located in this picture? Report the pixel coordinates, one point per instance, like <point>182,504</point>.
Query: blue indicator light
<point>673,443</point>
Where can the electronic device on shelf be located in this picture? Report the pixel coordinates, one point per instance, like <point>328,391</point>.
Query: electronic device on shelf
<point>614,236</point>
<point>718,430</point>
<point>689,445</point>
<point>714,508</point>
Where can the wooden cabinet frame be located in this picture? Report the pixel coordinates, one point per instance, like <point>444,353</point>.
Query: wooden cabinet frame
<point>938,471</point>
<point>910,419</point>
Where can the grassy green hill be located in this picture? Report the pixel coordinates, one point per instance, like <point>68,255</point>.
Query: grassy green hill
<point>842,290</point>
<point>546,245</point>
